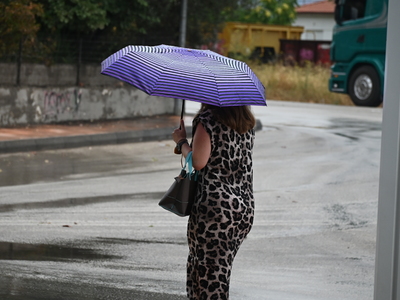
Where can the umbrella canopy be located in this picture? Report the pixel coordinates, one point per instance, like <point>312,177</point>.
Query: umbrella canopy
<point>198,75</point>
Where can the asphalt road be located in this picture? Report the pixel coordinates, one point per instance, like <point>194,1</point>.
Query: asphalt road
<point>84,223</point>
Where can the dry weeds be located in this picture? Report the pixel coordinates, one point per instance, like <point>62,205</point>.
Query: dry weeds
<point>301,84</point>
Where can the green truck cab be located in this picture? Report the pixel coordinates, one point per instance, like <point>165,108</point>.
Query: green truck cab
<point>358,50</point>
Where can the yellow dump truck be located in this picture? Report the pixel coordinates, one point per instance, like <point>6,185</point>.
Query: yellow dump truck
<point>255,40</point>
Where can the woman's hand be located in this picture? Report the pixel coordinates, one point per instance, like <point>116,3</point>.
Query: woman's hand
<point>179,133</point>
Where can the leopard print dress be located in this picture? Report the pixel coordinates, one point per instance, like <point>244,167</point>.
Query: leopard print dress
<point>223,212</point>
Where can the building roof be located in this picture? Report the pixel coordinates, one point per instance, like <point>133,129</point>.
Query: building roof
<point>320,7</point>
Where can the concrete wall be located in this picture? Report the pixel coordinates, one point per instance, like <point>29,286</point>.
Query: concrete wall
<point>49,95</point>
<point>55,75</point>
<point>32,105</point>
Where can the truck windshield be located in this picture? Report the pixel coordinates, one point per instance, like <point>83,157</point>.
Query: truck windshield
<point>349,10</point>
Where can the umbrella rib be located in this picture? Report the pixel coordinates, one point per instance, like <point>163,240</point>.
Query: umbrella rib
<point>246,71</point>
<point>215,80</point>
<point>161,70</point>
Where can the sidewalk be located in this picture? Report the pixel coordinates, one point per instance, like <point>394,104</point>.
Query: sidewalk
<point>56,136</point>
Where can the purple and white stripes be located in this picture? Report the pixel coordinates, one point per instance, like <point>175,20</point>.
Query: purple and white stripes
<point>198,75</point>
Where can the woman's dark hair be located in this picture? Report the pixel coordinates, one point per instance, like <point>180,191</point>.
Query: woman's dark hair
<point>239,118</point>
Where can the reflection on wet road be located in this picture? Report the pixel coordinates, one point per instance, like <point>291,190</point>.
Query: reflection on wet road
<point>68,202</point>
<point>59,165</point>
<point>43,252</point>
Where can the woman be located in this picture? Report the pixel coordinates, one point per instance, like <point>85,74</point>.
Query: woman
<point>222,214</point>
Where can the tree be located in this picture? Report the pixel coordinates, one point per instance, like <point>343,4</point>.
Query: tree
<point>276,12</point>
<point>205,19</point>
<point>88,16</point>
<point>89,30</point>
<point>80,16</point>
<point>94,27</point>
<point>18,25</point>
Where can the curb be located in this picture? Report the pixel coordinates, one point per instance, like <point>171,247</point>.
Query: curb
<point>66,142</point>
<point>76,141</point>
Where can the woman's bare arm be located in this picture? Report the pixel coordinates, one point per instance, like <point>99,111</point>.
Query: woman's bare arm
<point>201,145</point>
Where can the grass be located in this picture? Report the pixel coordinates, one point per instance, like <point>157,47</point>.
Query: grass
<point>301,84</point>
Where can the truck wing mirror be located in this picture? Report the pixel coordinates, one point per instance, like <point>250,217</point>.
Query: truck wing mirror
<point>338,15</point>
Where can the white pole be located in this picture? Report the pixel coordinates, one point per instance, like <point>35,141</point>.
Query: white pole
<point>387,245</point>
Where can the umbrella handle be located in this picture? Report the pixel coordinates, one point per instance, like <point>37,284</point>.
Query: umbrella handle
<point>176,151</point>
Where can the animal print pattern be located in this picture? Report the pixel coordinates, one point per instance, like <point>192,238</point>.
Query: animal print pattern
<point>223,212</point>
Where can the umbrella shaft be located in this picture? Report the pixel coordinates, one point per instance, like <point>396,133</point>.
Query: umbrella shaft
<point>183,110</point>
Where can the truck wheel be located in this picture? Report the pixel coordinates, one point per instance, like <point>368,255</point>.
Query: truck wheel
<point>365,87</point>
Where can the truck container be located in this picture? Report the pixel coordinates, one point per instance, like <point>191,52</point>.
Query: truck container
<point>256,40</point>
<point>300,51</point>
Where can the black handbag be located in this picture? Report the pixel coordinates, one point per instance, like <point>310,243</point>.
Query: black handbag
<point>180,196</point>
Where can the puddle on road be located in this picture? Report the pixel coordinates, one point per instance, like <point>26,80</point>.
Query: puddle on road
<point>43,252</point>
<point>108,240</point>
<point>54,165</point>
<point>347,136</point>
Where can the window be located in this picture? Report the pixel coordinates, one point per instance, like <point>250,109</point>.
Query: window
<point>353,9</point>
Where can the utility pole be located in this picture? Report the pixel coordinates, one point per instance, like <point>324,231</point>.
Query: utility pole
<point>182,33</point>
<point>19,62</point>
<point>179,105</point>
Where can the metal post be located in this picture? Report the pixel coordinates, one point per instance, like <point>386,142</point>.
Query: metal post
<point>79,63</point>
<point>182,33</point>
<point>179,103</point>
<point>387,245</point>
<point>19,62</point>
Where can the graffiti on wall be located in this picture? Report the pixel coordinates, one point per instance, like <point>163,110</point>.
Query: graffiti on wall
<point>56,103</point>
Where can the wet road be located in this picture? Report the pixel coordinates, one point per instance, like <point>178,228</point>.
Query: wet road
<point>84,223</point>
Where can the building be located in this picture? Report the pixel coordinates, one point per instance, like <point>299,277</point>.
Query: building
<point>317,19</point>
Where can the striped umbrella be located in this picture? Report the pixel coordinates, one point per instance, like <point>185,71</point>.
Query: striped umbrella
<point>197,75</point>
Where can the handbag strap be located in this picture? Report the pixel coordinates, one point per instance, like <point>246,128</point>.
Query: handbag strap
<point>189,163</point>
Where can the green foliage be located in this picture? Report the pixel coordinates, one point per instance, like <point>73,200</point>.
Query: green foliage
<point>70,27</point>
<point>275,12</point>
<point>18,24</point>
<point>95,27</point>
<point>80,15</point>
<point>206,19</point>
<point>88,16</point>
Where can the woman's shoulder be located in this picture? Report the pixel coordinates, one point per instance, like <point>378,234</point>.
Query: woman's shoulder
<point>204,116</point>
